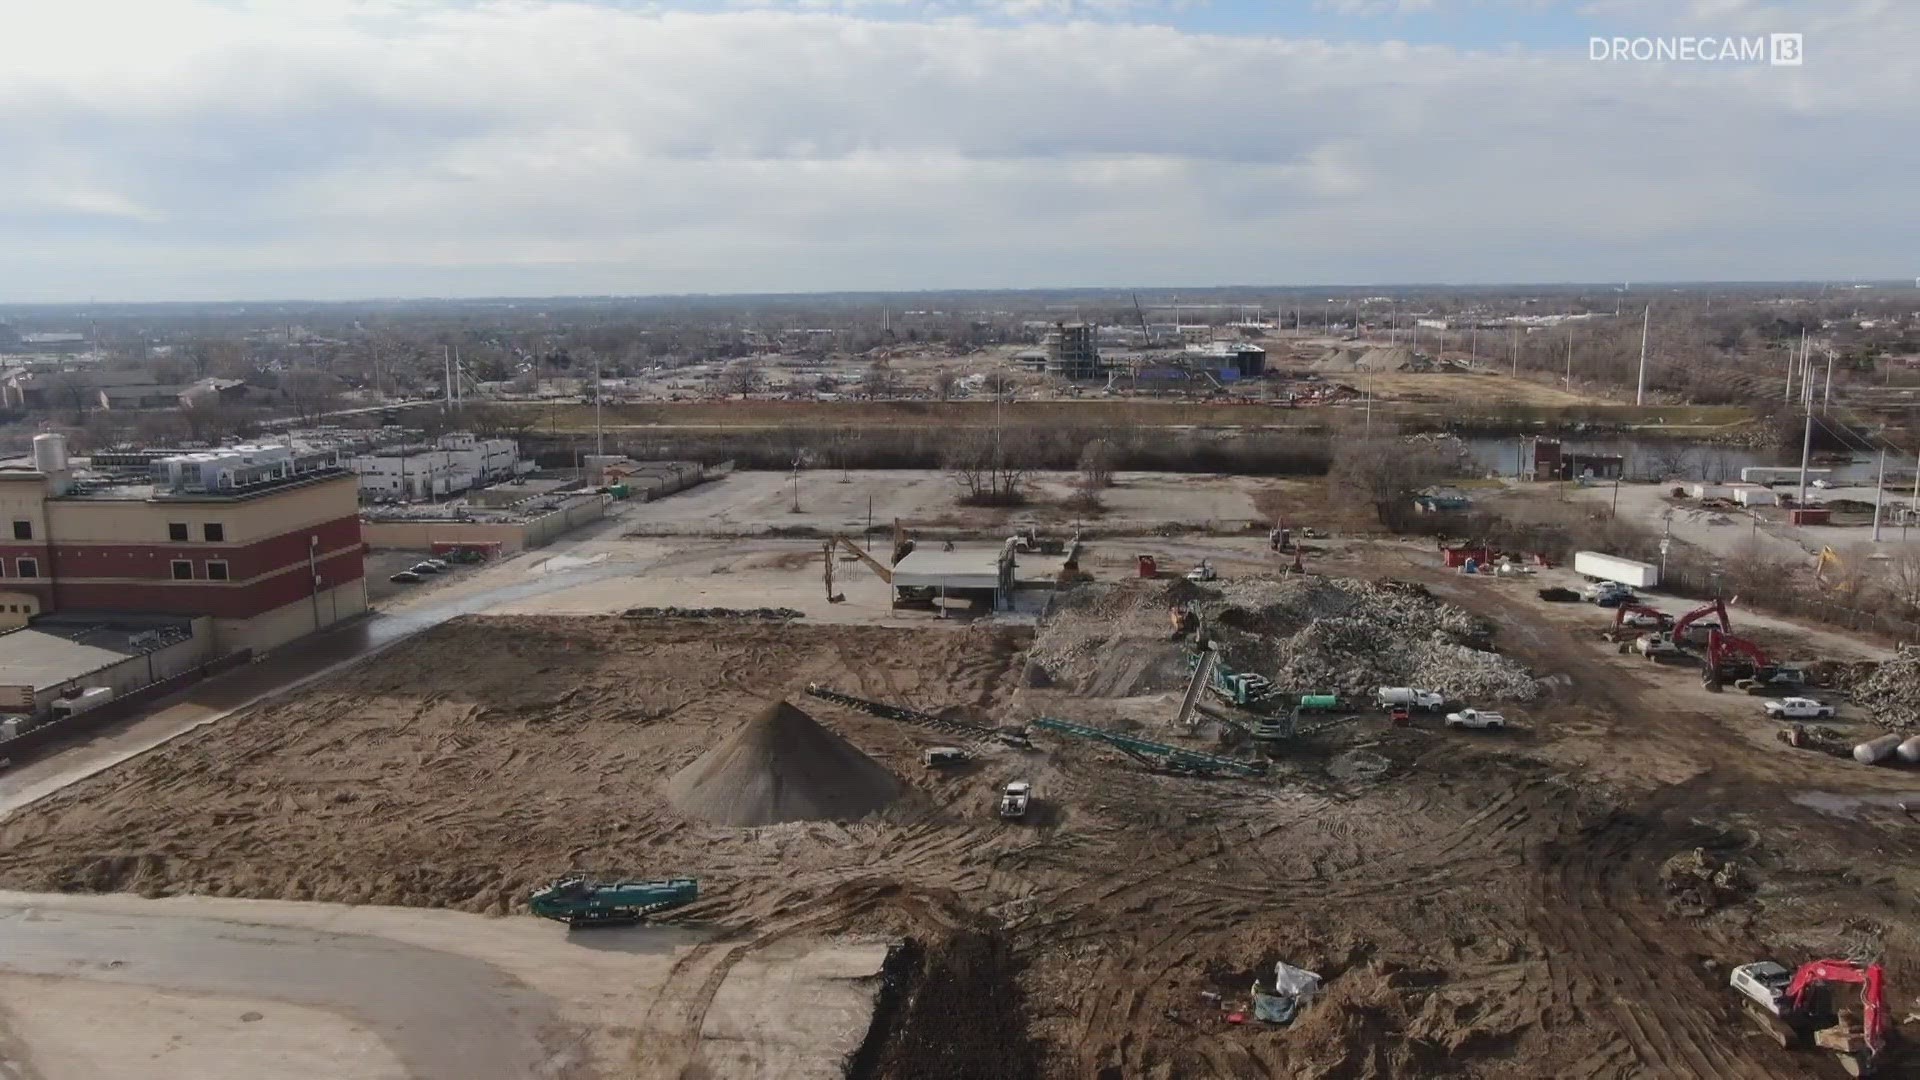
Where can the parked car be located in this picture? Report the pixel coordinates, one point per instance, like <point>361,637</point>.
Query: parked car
<point>423,568</point>
<point>1798,708</point>
<point>405,577</point>
<point>438,564</point>
<point>1606,593</point>
<point>1641,620</point>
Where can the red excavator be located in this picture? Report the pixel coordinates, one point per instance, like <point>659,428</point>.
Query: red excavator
<point>1716,607</point>
<point>1799,1010</point>
<point>1641,617</point>
<point>1734,659</point>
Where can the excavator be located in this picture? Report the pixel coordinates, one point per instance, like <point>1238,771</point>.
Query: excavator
<point>1747,665</point>
<point>579,901</point>
<point>1674,642</point>
<point>1798,1009</point>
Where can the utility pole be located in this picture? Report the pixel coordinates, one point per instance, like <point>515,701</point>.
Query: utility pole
<point>1806,456</point>
<point>1640,392</point>
<point>599,432</point>
<point>446,364</point>
<point>1879,495</point>
<point>1516,351</point>
<point>1569,355</point>
<point>1793,361</point>
<point>1826,400</point>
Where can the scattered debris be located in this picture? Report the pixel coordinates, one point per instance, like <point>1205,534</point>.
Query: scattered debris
<point>780,613</point>
<point>1890,689</point>
<point>1559,595</point>
<point>1697,881</point>
<point>1293,989</point>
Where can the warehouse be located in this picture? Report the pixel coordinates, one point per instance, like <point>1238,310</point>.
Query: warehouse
<point>62,654</point>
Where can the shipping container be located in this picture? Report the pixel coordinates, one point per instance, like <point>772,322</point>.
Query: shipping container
<point>1636,575</point>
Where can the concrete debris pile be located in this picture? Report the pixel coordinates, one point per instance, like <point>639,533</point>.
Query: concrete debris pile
<point>780,613</point>
<point>1309,635</point>
<point>1330,635</point>
<point>1697,881</point>
<point>1891,689</point>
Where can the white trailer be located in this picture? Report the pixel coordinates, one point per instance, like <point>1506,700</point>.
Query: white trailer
<point>1637,575</point>
<point>1779,474</point>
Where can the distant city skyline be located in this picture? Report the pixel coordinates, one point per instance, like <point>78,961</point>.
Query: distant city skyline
<point>205,150</point>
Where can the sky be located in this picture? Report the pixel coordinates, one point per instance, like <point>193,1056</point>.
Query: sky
<point>348,149</point>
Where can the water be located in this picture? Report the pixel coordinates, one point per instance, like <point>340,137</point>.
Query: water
<point>1695,461</point>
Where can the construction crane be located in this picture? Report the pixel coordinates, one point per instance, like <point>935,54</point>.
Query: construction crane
<point>1155,755</point>
<point>1800,1013</point>
<point>1146,332</point>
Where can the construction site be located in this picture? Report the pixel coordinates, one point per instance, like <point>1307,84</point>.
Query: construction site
<point>1334,812</point>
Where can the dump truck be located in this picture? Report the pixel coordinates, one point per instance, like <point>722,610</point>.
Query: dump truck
<point>580,901</point>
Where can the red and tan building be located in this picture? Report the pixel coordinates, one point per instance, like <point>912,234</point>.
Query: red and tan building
<point>266,545</point>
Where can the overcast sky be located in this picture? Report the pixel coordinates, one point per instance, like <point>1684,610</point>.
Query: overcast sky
<point>335,149</point>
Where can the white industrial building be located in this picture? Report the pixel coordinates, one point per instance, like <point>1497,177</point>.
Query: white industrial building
<point>455,462</point>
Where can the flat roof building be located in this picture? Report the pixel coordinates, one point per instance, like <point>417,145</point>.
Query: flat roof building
<point>263,540</point>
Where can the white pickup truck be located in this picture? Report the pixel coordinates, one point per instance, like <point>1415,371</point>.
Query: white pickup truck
<point>1014,800</point>
<point>1798,708</point>
<point>1475,718</point>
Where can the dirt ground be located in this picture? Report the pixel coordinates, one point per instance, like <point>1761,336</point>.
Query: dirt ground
<point>1483,905</point>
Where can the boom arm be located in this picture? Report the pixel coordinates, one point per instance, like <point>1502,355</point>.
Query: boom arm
<point>1719,645</point>
<point>1620,613</point>
<point>1717,607</point>
<point>1871,980</point>
<point>886,574</point>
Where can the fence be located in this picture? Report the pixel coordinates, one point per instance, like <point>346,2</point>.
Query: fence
<point>121,707</point>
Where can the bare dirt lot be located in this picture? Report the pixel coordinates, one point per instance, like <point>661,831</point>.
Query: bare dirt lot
<point>1480,904</point>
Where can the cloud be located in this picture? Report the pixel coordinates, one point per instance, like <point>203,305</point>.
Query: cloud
<point>1374,8</point>
<point>346,148</point>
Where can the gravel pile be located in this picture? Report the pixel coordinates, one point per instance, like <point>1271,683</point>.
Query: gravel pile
<point>781,766</point>
<point>1891,688</point>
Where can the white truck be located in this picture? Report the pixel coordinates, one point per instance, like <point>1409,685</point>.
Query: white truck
<point>1014,799</point>
<point>1203,572</point>
<point>1798,708</point>
<point>1476,718</point>
<point>86,700</point>
<point>1388,697</point>
<point>1601,591</point>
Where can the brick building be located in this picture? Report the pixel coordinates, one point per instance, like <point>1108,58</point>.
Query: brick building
<point>264,542</point>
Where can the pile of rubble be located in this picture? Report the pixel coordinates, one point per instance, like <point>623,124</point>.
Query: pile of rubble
<point>1307,634</point>
<point>1698,882</point>
<point>1890,689</point>
<point>770,613</point>
<point>1331,635</point>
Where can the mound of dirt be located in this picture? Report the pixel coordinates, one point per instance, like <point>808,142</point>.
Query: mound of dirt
<point>1393,358</point>
<point>782,766</point>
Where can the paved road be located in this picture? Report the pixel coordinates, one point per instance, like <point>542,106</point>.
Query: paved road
<point>443,1015</point>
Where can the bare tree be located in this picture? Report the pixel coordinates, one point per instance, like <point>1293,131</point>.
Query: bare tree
<point>880,380</point>
<point>1386,473</point>
<point>1097,460</point>
<point>74,391</point>
<point>990,467</point>
<point>944,383</point>
<point>741,377</point>
<point>310,394</point>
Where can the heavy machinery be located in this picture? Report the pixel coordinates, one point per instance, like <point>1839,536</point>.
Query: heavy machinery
<point>1243,689</point>
<point>1798,1010</point>
<point>580,901</point>
<point>1155,755</point>
<point>1642,617</point>
<point>1736,660</point>
<point>1675,641</point>
<point>1014,799</point>
<point>976,732</point>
